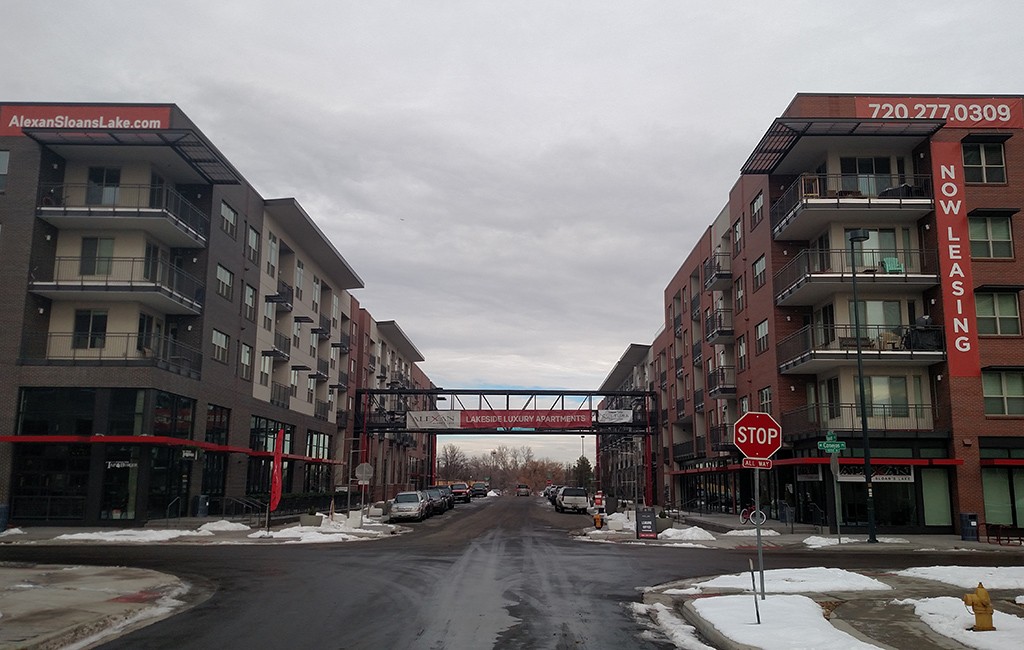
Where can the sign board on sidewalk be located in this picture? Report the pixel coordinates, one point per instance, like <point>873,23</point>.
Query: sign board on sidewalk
<point>646,526</point>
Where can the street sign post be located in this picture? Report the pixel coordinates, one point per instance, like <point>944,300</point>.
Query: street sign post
<point>758,436</point>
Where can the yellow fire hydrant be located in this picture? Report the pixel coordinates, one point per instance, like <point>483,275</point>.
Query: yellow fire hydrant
<point>981,605</point>
<point>598,520</point>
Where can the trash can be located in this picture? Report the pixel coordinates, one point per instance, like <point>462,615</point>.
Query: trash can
<point>969,526</point>
<point>4,517</point>
<point>202,505</point>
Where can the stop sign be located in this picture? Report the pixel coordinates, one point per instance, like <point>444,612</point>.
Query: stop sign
<point>757,435</point>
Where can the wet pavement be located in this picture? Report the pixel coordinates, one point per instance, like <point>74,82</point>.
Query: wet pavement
<point>48,606</point>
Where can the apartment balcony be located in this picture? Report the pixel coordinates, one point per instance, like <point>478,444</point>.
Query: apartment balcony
<point>110,349</point>
<point>815,200</point>
<point>718,327</point>
<point>323,329</point>
<point>695,308</point>
<point>697,353</point>
<point>283,298</point>
<point>280,394</point>
<point>341,418</point>
<point>321,410</point>
<point>718,272</point>
<point>814,275</point>
<point>664,379</point>
<point>680,369</point>
<point>322,371</point>
<point>721,382</point>
<point>698,400</point>
<point>282,350</point>
<point>683,451</point>
<point>816,349</point>
<point>677,326</point>
<point>158,211</point>
<point>158,285</point>
<point>344,344</point>
<point>721,437</point>
<point>900,419</point>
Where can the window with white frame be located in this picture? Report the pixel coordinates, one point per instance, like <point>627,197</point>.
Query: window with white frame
<point>756,210</point>
<point>998,313</point>
<point>269,311</point>
<point>884,396</point>
<point>294,382</point>
<point>272,252</point>
<point>316,294</point>
<point>310,389</point>
<point>253,246</point>
<point>761,336</point>
<point>335,309</point>
<point>97,256</point>
<point>249,306</point>
<point>1003,392</point>
<point>313,340</point>
<point>764,399</point>
<point>737,236</point>
<point>741,352</point>
<point>245,362</point>
<point>738,294</point>
<point>983,163</point>
<point>991,237</point>
<point>225,283</point>
<point>266,366</point>
<point>228,219</point>
<point>221,341</point>
<point>300,278</point>
<point>744,405</point>
<point>760,272</point>
<point>5,160</point>
<point>296,334</point>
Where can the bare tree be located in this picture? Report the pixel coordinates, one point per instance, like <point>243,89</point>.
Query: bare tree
<point>452,464</point>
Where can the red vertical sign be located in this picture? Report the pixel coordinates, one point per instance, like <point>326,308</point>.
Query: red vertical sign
<point>959,315</point>
<point>276,475</point>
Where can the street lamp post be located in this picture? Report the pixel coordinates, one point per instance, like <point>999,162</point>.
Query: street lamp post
<point>858,236</point>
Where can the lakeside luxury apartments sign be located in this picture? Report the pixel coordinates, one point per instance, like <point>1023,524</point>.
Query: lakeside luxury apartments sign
<point>497,419</point>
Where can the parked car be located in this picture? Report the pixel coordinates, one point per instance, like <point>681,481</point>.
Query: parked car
<point>461,492</point>
<point>572,498</point>
<point>437,504</point>
<point>446,494</point>
<point>479,489</point>
<point>553,493</point>
<point>523,490</point>
<point>410,505</point>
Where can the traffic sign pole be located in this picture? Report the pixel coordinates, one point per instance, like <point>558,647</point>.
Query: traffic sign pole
<point>835,487</point>
<point>757,526</point>
<point>758,436</point>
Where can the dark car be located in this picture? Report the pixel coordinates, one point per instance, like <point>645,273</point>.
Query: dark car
<point>479,489</point>
<point>437,504</point>
<point>461,492</point>
<point>446,494</point>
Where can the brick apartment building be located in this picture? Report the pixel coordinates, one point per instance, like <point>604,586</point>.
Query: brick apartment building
<point>164,321</point>
<point>917,198</point>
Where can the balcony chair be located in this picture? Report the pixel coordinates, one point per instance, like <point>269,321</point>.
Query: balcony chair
<point>892,265</point>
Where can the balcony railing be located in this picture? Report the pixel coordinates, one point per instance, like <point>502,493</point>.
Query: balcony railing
<point>111,349</point>
<point>122,200</point>
<point>889,342</point>
<point>695,307</point>
<point>129,274</point>
<point>322,370</point>
<point>721,437</point>
<point>718,326</point>
<point>284,296</point>
<point>698,400</point>
<point>852,190</point>
<point>721,381</point>
<point>280,394</point>
<point>682,451</point>
<point>836,266</point>
<point>809,421</point>
<point>321,409</point>
<point>718,272</point>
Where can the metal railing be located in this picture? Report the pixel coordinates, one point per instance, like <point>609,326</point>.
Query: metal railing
<point>875,340</point>
<point>717,267</point>
<point>123,272</point>
<point>718,323</point>
<point>837,261</point>
<point>866,190</point>
<point>819,418</point>
<point>280,394</point>
<point>175,503</point>
<point>90,348</point>
<point>115,200</point>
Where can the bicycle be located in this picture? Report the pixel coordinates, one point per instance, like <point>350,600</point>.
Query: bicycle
<point>750,515</point>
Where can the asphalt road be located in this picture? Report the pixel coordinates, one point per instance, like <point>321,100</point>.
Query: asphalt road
<point>497,573</point>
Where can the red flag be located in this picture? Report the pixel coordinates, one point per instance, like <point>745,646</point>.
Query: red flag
<point>276,477</point>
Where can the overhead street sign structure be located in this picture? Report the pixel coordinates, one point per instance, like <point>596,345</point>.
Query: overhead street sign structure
<point>757,435</point>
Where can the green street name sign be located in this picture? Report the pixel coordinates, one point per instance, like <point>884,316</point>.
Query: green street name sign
<point>832,446</point>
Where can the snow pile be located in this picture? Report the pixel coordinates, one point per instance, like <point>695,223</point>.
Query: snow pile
<point>303,535</point>
<point>799,580</point>
<point>948,616</point>
<point>492,493</point>
<point>681,634</point>
<point>12,531</point>
<point>968,577</point>
<point>130,535</point>
<point>817,541</point>
<point>223,526</point>
<point>693,533</point>
<point>627,523</point>
<point>752,532</point>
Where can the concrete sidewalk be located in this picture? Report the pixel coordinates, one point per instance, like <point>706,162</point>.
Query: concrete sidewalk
<point>46,606</point>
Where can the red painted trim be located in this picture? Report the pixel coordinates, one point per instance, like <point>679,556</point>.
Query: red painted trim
<point>825,460</point>
<point>1002,462</point>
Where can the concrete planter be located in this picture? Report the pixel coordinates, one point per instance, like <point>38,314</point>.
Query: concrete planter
<point>311,520</point>
<point>663,523</point>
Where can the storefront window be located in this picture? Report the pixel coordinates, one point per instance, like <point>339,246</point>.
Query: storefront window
<point>935,495</point>
<point>120,482</point>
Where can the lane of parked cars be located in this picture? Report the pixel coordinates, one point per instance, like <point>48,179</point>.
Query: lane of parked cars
<point>417,505</point>
<point>566,498</point>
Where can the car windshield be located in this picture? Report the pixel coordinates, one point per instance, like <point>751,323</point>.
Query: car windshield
<point>480,485</point>
<point>434,493</point>
<point>406,497</point>
<point>523,485</point>
<point>459,486</point>
<point>574,492</point>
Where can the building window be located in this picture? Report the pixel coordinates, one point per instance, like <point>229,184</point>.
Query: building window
<point>318,445</point>
<point>271,254</point>
<point>1004,392</point>
<point>738,294</point>
<point>269,311</point>
<point>310,389</point>
<point>90,329</point>
<point>5,160</point>
<point>760,275</point>
<point>296,333</point>
<point>744,405</point>
<point>225,283</point>
<point>761,336</point>
<point>316,294</point>
<point>300,279</point>
<point>991,237</point>
<point>253,246</point>
<point>998,313</point>
<point>103,185</point>
<point>335,309</point>
<point>764,399</point>
<point>313,340</point>
<point>737,236</point>
<point>220,346</point>
<point>334,357</point>
<point>757,210</point>
<point>245,362</point>
<point>249,303</point>
<point>983,163</point>
<point>228,219</point>
<point>97,256</point>
<point>741,352</point>
<point>294,382</point>
<point>217,420</point>
<point>266,365</point>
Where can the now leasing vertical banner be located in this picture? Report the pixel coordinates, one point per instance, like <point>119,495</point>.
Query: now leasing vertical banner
<point>959,315</point>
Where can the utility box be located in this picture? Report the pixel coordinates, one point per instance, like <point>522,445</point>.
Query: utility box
<point>201,508</point>
<point>969,526</point>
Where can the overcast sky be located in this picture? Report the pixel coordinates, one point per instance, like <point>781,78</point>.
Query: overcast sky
<point>515,182</point>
